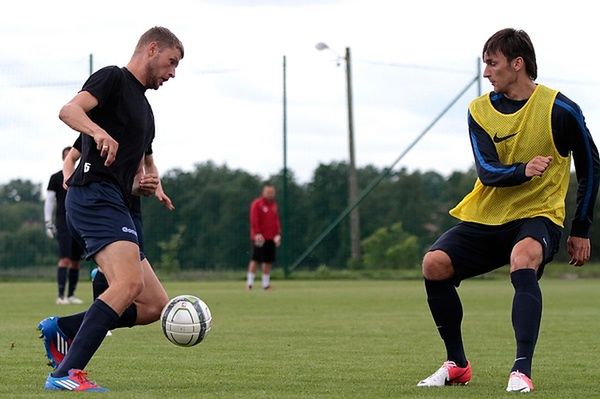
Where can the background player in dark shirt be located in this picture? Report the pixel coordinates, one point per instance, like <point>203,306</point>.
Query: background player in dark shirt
<point>69,250</point>
<point>523,135</point>
<point>117,124</point>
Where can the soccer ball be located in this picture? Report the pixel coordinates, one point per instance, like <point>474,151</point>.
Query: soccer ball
<point>186,320</point>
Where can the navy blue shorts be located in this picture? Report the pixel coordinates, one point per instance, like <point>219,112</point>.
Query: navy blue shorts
<point>97,215</point>
<point>475,249</point>
<point>139,227</point>
<point>68,247</point>
<point>264,253</point>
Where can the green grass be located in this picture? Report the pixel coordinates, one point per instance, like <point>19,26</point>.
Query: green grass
<point>316,339</point>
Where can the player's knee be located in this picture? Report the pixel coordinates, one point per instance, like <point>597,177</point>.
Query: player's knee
<point>132,288</point>
<point>527,254</point>
<point>437,266</point>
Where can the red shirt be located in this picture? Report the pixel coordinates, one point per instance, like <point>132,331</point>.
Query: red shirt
<point>264,219</point>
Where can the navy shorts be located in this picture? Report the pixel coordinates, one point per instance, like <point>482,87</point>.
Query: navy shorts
<point>97,215</point>
<point>68,247</point>
<point>139,228</point>
<point>265,253</point>
<point>475,249</point>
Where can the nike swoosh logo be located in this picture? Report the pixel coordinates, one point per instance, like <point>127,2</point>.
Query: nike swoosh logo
<point>501,139</point>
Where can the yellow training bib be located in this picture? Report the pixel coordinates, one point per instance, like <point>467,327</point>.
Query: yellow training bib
<point>519,137</point>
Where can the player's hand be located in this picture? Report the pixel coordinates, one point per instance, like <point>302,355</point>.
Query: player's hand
<point>50,229</point>
<point>107,146</point>
<point>579,250</point>
<point>277,240</point>
<point>148,184</point>
<point>259,240</point>
<point>164,199</point>
<point>537,166</point>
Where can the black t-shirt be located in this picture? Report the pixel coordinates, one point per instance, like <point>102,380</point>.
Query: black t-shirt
<point>124,112</point>
<point>135,203</point>
<point>56,184</point>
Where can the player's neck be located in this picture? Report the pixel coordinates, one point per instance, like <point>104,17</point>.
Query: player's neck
<point>137,70</point>
<point>521,90</point>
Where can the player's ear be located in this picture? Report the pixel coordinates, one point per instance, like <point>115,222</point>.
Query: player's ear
<point>518,63</point>
<point>152,49</point>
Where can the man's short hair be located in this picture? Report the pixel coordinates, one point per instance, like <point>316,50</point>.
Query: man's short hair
<point>163,36</point>
<point>513,43</point>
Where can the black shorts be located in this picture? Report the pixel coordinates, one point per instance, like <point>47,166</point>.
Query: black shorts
<point>68,247</point>
<point>264,254</point>
<point>475,249</point>
<point>97,216</point>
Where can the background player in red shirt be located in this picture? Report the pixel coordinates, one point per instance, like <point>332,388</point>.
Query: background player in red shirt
<point>265,234</point>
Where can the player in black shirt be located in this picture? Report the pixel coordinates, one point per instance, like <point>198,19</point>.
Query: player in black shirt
<point>99,283</point>
<point>69,251</point>
<point>118,126</point>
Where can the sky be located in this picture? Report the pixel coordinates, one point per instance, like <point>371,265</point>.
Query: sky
<point>409,61</point>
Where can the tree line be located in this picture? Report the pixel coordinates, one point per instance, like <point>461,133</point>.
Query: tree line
<point>209,229</point>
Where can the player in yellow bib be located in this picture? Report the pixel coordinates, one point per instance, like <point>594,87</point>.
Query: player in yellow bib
<point>523,136</point>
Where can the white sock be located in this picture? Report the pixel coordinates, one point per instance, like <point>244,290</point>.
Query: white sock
<point>266,280</point>
<point>250,279</point>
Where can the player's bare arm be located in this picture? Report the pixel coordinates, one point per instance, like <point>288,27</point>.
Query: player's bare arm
<point>74,114</point>
<point>159,193</point>
<point>69,165</point>
<point>537,166</point>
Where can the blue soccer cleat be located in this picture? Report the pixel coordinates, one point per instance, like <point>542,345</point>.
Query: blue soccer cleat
<point>76,381</point>
<point>55,341</point>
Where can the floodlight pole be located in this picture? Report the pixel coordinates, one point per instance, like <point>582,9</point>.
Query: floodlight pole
<point>285,232</point>
<point>352,176</point>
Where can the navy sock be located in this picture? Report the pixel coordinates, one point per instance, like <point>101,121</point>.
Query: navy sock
<point>61,278</point>
<point>97,321</point>
<point>526,317</point>
<point>99,285</point>
<point>69,325</point>
<point>447,313</point>
<point>129,316</point>
<point>73,279</point>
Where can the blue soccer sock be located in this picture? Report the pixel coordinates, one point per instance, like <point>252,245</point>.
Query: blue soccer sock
<point>526,317</point>
<point>447,313</point>
<point>97,321</point>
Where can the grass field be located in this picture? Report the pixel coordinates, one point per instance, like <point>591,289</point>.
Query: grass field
<point>316,339</point>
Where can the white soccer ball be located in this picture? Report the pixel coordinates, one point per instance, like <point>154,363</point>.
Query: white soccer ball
<point>186,320</point>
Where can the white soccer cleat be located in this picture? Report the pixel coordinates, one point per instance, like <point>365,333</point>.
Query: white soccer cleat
<point>519,382</point>
<point>74,300</point>
<point>448,374</point>
<point>62,301</point>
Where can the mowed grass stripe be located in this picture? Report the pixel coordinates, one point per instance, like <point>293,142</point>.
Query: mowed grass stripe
<point>316,339</point>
